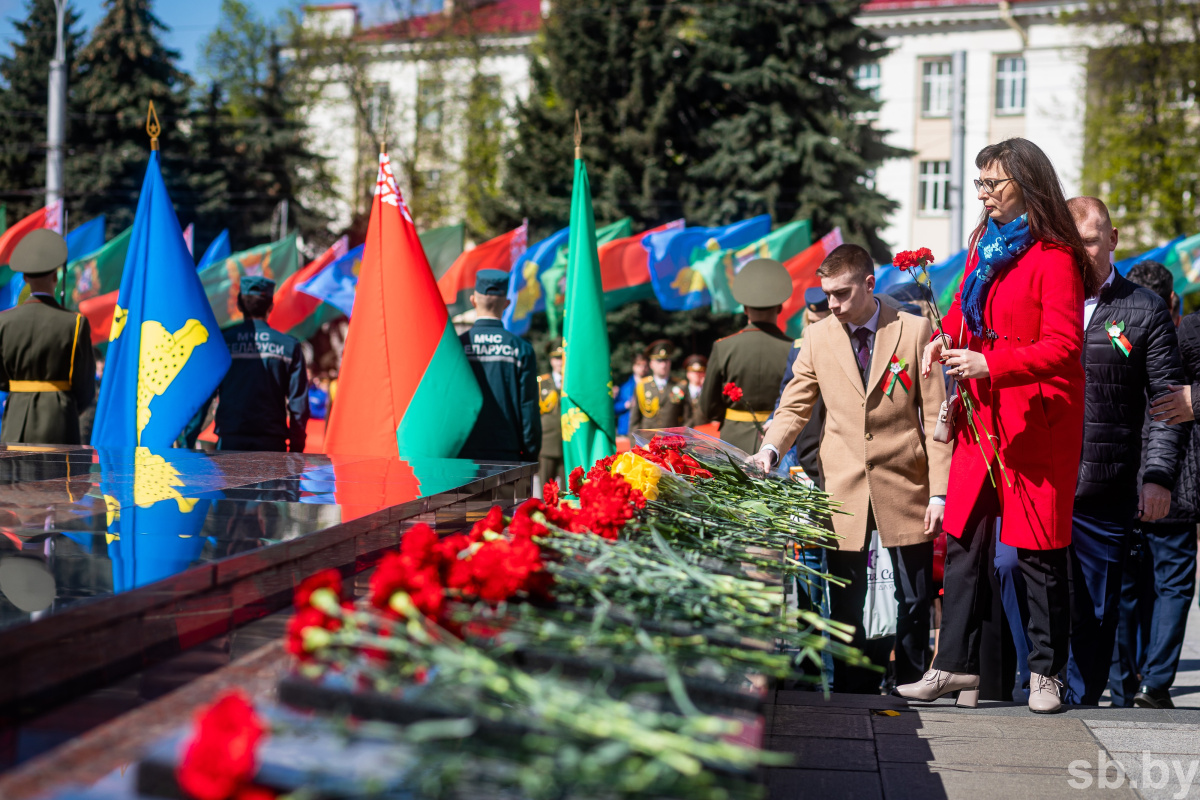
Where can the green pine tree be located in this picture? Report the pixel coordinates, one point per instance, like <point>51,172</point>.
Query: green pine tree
<point>23,74</point>
<point>779,119</point>
<point>255,137</point>
<point>122,68</point>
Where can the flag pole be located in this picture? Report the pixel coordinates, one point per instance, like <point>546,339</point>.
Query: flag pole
<point>152,126</point>
<point>578,137</point>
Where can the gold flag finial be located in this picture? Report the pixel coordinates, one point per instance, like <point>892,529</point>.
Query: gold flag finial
<point>578,135</point>
<point>152,126</point>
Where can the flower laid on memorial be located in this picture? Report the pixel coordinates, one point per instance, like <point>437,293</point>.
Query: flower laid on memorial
<point>220,760</point>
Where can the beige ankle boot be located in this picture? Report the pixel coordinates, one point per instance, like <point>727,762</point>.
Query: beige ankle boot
<point>1045,694</point>
<point>937,683</point>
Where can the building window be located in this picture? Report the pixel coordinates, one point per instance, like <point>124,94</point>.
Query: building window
<point>934,187</point>
<point>1010,85</point>
<point>430,97</point>
<point>378,106</point>
<point>935,88</point>
<point>866,77</point>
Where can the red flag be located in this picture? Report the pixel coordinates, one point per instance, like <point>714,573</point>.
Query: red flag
<point>803,269</point>
<point>293,307</point>
<point>48,217</point>
<point>99,314</point>
<point>405,383</point>
<point>499,253</point>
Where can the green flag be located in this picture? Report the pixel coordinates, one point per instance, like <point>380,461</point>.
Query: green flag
<point>98,272</point>
<point>554,279</point>
<point>1184,263</point>
<point>277,261</point>
<point>3,217</point>
<point>719,267</point>
<point>442,246</point>
<point>588,426</point>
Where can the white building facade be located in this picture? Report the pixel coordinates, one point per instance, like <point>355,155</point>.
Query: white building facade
<point>1025,75</point>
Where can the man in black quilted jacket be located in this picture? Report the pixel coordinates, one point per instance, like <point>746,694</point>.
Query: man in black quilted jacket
<point>1159,579</point>
<point>1130,351</point>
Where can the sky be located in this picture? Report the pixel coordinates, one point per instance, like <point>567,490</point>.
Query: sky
<point>191,21</point>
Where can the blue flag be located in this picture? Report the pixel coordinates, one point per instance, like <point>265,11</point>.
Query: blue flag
<point>166,353</point>
<point>337,282</point>
<point>155,505</point>
<point>217,251</point>
<point>1160,254</point>
<point>86,238</point>
<point>525,295</point>
<point>679,287</point>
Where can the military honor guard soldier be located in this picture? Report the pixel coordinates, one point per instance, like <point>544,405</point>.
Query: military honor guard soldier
<point>507,428</point>
<point>550,460</point>
<point>754,358</point>
<point>46,360</point>
<point>263,398</point>
<point>660,402</point>
<point>695,367</point>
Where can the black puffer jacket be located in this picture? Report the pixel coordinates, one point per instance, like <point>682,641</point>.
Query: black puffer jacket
<point>1185,500</point>
<point>1115,401</point>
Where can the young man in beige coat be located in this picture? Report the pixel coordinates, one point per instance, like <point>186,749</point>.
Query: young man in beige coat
<point>877,454</point>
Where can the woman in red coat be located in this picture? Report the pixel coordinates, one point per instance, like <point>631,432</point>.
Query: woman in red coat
<point>1014,336</point>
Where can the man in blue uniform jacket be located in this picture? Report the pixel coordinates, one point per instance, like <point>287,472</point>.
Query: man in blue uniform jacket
<point>263,399</point>
<point>509,424</point>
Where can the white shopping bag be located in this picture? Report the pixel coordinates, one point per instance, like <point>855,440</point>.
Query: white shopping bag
<point>879,614</point>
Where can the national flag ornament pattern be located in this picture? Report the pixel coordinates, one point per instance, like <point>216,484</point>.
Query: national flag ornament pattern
<point>897,373</point>
<point>1116,335</point>
<point>405,385</point>
<point>166,354</point>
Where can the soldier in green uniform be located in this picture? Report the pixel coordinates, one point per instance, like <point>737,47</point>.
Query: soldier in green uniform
<point>505,367</point>
<point>550,460</point>
<point>754,358</point>
<point>659,402</point>
<point>46,361</point>
<point>696,367</point>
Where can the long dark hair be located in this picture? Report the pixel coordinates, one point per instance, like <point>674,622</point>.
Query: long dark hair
<point>1050,220</point>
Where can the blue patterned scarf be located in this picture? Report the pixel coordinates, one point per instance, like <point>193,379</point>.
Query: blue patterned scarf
<point>998,249</point>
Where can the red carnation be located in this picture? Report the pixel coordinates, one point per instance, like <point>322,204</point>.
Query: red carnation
<point>220,759</point>
<point>419,543</point>
<point>575,480</point>
<point>494,521</point>
<point>907,259</point>
<point>732,392</point>
<point>550,493</point>
<point>325,579</point>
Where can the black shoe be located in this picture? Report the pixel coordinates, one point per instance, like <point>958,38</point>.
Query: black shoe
<point>1152,698</point>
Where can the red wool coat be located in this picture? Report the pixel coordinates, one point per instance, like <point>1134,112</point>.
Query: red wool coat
<point>1032,403</point>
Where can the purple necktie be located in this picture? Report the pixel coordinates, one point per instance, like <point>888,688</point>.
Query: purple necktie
<point>864,350</point>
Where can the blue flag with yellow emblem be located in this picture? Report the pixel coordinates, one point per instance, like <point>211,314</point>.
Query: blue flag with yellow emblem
<point>166,354</point>
<point>525,292</point>
<point>673,253</point>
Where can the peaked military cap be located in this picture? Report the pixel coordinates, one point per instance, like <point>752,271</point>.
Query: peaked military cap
<point>815,299</point>
<point>556,349</point>
<point>257,285</point>
<point>491,281</point>
<point>695,363</point>
<point>40,251</point>
<point>661,348</point>
<point>763,283</point>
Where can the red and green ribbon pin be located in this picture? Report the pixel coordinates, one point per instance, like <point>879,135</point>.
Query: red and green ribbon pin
<point>897,373</point>
<point>1116,335</point>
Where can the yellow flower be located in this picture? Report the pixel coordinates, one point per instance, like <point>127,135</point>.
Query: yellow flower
<point>638,473</point>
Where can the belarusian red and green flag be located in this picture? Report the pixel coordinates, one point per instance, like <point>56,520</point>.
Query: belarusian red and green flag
<point>803,269</point>
<point>457,284</point>
<point>589,427</point>
<point>405,383</point>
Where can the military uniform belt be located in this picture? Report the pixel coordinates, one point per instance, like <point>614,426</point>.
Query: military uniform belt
<point>733,415</point>
<point>39,386</point>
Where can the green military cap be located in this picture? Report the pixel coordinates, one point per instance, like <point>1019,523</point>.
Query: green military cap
<point>257,285</point>
<point>38,252</point>
<point>491,281</point>
<point>660,349</point>
<point>763,283</point>
<point>556,348</point>
<point>695,363</point>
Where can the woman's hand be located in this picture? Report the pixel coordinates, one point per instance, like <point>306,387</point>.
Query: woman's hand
<point>965,364</point>
<point>933,352</point>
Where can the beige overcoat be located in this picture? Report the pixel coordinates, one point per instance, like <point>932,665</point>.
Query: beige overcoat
<point>877,449</point>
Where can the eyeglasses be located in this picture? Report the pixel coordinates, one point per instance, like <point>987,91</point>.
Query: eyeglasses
<point>989,184</point>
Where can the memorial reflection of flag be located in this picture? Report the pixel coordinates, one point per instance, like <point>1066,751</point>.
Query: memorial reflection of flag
<point>153,529</point>
<point>364,486</point>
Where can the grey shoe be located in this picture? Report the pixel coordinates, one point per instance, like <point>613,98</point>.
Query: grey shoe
<point>1045,694</point>
<point>936,683</point>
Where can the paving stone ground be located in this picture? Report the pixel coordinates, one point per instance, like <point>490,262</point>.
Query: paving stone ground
<point>865,747</point>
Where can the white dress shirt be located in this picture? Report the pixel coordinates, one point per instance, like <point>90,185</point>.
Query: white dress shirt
<point>1089,305</point>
